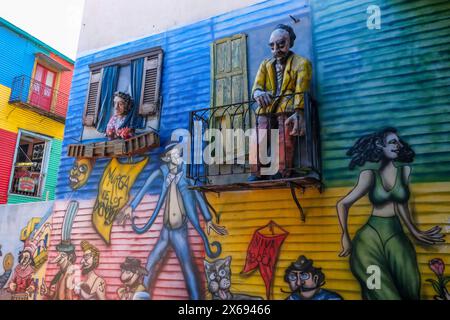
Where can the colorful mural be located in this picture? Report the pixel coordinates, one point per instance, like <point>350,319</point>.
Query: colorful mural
<point>132,225</point>
<point>381,243</point>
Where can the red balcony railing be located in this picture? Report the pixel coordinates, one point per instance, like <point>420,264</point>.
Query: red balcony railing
<point>39,97</point>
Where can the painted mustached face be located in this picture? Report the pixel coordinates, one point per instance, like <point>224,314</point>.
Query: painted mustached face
<point>279,43</point>
<point>88,260</point>
<point>25,258</point>
<point>128,277</point>
<point>299,280</point>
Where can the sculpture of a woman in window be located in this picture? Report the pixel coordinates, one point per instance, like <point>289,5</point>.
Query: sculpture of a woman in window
<point>115,128</point>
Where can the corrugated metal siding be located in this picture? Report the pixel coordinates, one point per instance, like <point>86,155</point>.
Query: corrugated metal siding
<point>13,118</point>
<point>65,81</point>
<point>16,56</point>
<point>8,140</point>
<point>319,238</point>
<point>169,283</point>
<point>396,76</point>
<point>186,76</point>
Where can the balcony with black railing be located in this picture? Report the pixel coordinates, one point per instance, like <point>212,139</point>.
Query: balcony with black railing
<point>257,150</point>
<point>34,95</point>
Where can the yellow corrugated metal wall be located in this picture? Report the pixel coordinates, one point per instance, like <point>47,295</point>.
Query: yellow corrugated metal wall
<point>319,237</point>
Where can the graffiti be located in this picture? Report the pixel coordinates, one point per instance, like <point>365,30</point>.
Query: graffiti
<point>94,288</point>
<point>381,241</point>
<point>218,277</point>
<point>132,276</point>
<point>440,286</point>
<point>263,251</point>
<point>306,281</point>
<point>80,172</point>
<point>180,206</point>
<point>63,284</point>
<point>113,194</point>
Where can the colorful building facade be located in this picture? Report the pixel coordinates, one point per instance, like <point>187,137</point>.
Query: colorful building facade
<point>35,83</point>
<point>365,215</point>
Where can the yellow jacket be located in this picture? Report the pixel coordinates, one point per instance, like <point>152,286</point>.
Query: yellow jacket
<point>297,78</point>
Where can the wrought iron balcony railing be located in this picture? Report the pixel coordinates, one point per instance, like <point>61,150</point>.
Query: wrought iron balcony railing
<point>299,156</point>
<point>37,96</point>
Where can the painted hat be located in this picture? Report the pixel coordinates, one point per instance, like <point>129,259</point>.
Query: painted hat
<point>65,246</point>
<point>85,246</point>
<point>133,265</point>
<point>302,263</point>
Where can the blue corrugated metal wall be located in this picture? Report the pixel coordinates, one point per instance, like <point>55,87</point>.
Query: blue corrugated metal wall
<point>18,52</point>
<point>186,74</point>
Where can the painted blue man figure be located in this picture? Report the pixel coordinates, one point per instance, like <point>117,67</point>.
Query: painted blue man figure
<point>180,207</point>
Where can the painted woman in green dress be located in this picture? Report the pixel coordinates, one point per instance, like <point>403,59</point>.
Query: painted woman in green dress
<point>381,248</point>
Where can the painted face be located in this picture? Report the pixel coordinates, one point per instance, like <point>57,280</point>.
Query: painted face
<point>392,146</point>
<point>279,43</point>
<point>120,106</point>
<point>175,156</point>
<point>80,173</point>
<point>88,260</point>
<point>301,280</point>
<point>25,258</point>
<point>62,260</point>
<point>128,277</point>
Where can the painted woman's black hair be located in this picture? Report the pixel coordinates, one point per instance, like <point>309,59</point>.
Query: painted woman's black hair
<point>367,149</point>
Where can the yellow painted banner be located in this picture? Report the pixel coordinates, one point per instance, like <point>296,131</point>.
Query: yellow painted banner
<point>113,194</point>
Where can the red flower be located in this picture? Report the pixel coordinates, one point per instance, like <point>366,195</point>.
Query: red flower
<point>125,133</point>
<point>437,266</point>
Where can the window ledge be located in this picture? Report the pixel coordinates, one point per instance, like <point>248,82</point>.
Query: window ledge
<point>298,182</point>
<point>138,144</point>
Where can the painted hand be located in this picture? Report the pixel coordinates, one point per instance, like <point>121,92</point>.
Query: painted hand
<point>12,287</point>
<point>346,244</point>
<point>297,122</point>
<point>263,98</point>
<point>216,228</point>
<point>124,215</point>
<point>431,236</point>
<point>44,289</point>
